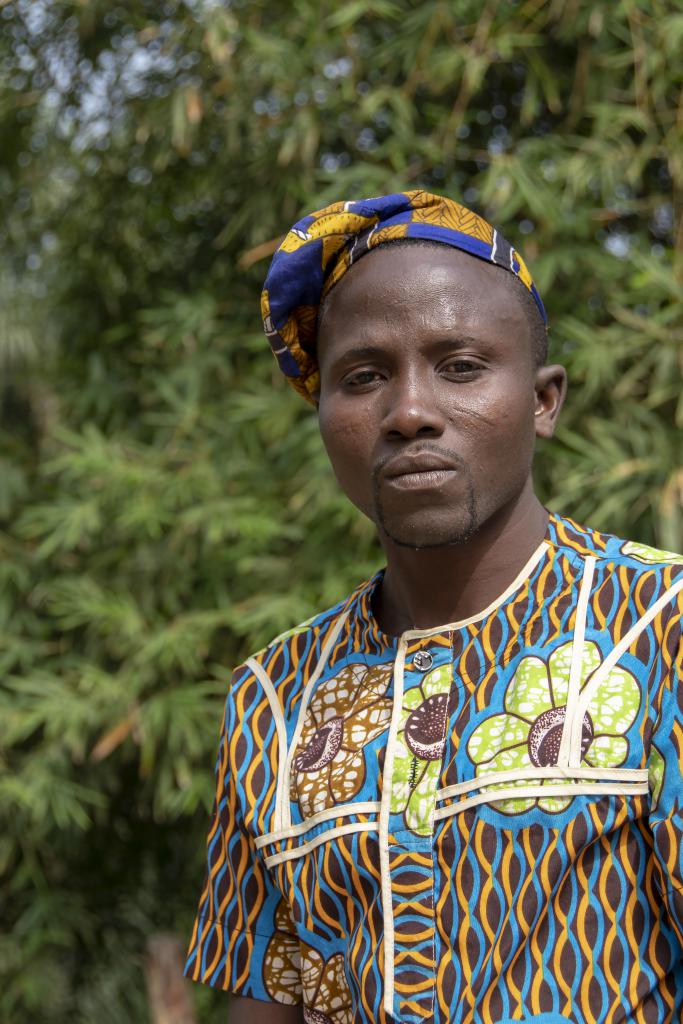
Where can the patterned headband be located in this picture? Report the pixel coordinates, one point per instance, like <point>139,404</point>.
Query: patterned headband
<point>320,248</point>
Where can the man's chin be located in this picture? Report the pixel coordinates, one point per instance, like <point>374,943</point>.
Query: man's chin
<point>422,536</point>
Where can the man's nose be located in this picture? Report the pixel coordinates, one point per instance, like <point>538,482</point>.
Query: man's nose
<point>412,409</point>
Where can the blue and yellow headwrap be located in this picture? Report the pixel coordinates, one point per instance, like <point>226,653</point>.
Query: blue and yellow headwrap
<point>320,248</point>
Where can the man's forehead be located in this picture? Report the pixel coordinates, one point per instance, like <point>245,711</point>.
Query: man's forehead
<point>421,284</point>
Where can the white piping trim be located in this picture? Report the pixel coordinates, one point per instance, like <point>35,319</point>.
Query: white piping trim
<point>469,785</point>
<point>385,811</point>
<point>332,637</point>
<point>492,796</point>
<point>522,792</point>
<point>551,772</point>
<point>608,664</point>
<point>615,790</point>
<point>521,577</point>
<point>278,714</point>
<point>494,246</point>
<point>324,837</point>
<point>574,687</point>
<point>340,811</point>
<point>457,789</point>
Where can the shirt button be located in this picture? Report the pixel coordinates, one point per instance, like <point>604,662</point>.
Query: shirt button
<point>423,661</point>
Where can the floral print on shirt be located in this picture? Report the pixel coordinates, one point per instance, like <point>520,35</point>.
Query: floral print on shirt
<point>651,556</point>
<point>327,999</point>
<point>282,960</point>
<point>346,712</point>
<point>528,733</point>
<point>419,747</point>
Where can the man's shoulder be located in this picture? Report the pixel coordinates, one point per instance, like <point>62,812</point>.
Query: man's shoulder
<point>298,649</point>
<point>605,547</point>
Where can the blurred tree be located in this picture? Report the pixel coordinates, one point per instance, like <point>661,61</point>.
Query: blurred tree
<point>165,502</point>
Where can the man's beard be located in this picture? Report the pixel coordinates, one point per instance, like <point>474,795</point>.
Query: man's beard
<point>463,526</point>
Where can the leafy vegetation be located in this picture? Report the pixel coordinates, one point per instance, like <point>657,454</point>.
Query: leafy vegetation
<point>165,503</point>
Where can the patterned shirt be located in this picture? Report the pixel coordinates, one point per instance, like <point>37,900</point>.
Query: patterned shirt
<point>479,822</point>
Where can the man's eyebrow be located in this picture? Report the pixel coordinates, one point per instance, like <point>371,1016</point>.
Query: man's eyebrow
<point>442,344</point>
<point>456,341</point>
<point>361,352</point>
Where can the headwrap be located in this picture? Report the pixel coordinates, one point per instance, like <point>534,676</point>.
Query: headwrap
<point>320,248</point>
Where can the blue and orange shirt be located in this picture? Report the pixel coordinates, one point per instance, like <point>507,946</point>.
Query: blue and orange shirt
<point>479,822</point>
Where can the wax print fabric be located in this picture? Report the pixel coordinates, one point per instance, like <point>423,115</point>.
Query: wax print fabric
<point>321,247</point>
<point>479,822</point>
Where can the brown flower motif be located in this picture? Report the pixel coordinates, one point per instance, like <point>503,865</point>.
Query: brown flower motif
<point>327,999</point>
<point>347,711</point>
<point>282,960</point>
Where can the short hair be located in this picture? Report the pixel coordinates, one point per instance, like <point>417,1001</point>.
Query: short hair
<point>537,328</point>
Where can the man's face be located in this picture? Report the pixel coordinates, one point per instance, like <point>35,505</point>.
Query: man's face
<point>430,399</point>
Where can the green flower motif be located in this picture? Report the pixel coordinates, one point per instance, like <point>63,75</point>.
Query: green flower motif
<point>656,770</point>
<point>528,733</point>
<point>650,555</point>
<point>420,742</point>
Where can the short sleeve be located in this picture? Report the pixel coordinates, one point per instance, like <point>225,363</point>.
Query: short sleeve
<point>666,793</point>
<point>243,940</point>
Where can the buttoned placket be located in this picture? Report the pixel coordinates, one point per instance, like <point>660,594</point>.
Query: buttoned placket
<point>423,676</point>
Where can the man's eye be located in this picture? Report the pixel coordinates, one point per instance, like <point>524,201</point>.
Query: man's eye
<point>462,366</point>
<point>362,377</point>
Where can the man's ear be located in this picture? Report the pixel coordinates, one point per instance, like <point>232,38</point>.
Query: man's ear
<point>550,388</point>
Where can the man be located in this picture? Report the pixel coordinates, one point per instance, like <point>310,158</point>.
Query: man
<point>455,796</point>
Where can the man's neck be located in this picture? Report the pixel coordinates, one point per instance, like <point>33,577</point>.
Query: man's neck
<point>433,586</point>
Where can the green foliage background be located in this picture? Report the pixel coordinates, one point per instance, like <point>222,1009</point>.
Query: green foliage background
<point>165,505</point>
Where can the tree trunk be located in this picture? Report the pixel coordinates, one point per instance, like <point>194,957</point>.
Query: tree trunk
<point>168,992</point>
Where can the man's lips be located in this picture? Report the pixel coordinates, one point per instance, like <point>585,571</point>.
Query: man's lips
<point>421,462</point>
<point>422,470</point>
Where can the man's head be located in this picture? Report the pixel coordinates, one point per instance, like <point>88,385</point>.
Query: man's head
<point>433,390</point>
<point>418,332</point>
